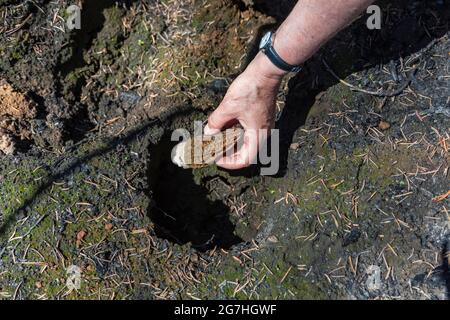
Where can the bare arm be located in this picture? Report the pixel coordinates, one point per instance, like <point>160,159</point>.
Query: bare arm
<point>250,99</point>
<point>312,23</point>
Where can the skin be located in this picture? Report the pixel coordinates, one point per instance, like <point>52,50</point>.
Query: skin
<point>250,100</point>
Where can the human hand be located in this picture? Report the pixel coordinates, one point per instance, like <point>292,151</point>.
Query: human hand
<point>250,101</point>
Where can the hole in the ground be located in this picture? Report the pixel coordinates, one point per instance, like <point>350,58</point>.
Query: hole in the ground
<point>182,210</point>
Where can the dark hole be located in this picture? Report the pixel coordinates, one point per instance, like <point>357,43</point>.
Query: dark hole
<point>446,265</point>
<point>182,210</point>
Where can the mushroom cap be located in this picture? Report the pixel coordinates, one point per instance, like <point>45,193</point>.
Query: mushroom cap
<point>178,155</point>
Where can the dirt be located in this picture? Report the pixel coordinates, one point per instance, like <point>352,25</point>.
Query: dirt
<point>358,210</point>
<point>15,110</point>
<point>14,104</point>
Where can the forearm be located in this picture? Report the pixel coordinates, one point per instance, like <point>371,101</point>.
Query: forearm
<point>310,24</point>
<point>251,98</point>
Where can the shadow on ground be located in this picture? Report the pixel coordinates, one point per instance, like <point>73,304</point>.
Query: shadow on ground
<point>409,27</point>
<point>182,211</point>
<point>446,265</point>
<point>63,170</point>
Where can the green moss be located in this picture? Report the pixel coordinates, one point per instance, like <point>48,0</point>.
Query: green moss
<point>66,200</point>
<point>339,93</point>
<point>273,279</point>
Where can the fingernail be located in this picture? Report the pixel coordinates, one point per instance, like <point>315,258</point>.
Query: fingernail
<point>209,132</point>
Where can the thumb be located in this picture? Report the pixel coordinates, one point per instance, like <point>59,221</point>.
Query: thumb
<point>245,156</point>
<point>219,120</point>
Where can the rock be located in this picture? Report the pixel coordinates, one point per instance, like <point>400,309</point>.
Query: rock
<point>108,226</point>
<point>384,125</point>
<point>294,146</point>
<point>80,237</point>
<point>7,144</point>
<point>373,281</point>
<point>194,257</point>
<point>131,97</point>
<point>351,237</point>
<point>219,85</point>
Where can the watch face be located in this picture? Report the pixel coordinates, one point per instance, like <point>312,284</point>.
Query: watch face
<point>265,40</point>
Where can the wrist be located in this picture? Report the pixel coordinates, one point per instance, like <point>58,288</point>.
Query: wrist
<point>262,67</point>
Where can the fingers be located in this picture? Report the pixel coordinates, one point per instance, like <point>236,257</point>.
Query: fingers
<point>245,155</point>
<point>209,131</point>
<point>219,119</point>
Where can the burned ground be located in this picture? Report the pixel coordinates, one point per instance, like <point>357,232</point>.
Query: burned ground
<point>359,208</point>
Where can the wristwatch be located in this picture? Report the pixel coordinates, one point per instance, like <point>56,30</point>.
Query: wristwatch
<point>266,46</point>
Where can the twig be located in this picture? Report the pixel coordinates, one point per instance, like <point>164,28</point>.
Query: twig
<point>34,226</point>
<point>17,28</point>
<point>373,93</point>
